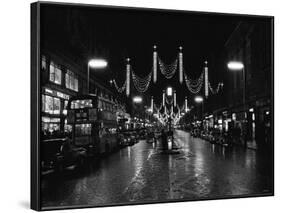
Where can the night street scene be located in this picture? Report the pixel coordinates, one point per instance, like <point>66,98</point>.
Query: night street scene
<point>144,106</point>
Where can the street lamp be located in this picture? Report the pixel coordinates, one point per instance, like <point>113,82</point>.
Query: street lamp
<point>169,91</point>
<point>235,65</point>
<point>199,99</point>
<point>239,66</point>
<point>94,64</point>
<point>137,99</point>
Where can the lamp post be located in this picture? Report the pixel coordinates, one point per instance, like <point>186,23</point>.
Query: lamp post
<point>198,100</point>
<point>170,94</point>
<point>239,66</point>
<point>94,64</point>
<point>138,100</point>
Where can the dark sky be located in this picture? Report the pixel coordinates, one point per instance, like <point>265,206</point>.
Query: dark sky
<point>115,34</point>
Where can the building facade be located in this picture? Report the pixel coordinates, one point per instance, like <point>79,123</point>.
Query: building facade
<point>61,79</point>
<point>249,90</point>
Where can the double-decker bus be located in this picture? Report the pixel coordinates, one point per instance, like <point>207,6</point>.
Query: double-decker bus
<point>94,123</point>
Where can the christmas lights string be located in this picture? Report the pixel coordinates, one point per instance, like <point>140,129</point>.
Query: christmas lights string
<point>119,89</point>
<point>158,108</point>
<point>141,84</point>
<point>194,86</point>
<point>182,109</point>
<point>216,91</point>
<point>169,102</point>
<point>168,70</point>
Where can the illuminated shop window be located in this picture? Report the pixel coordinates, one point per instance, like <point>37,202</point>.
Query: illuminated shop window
<point>51,104</point>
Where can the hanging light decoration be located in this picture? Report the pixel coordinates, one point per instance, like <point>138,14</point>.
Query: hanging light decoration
<point>128,70</point>
<point>168,70</point>
<point>194,86</point>
<point>216,91</point>
<point>175,98</point>
<point>180,65</point>
<point>152,104</point>
<point>185,104</point>
<point>141,84</point>
<point>154,64</point>
<point>163,98</point>
<point>206,80</point>
<point>169,101</point>
<point>119,89</point>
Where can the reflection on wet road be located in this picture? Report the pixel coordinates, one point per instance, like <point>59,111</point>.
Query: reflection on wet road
<point>142,173</point>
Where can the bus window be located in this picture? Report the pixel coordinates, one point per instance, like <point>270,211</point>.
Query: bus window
<point>83,129</point>
<point>80,104</point>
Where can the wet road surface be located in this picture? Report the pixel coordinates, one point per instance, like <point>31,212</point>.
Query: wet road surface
<point>143,173</point>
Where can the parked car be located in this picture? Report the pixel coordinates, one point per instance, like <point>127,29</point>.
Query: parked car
<point>204,135</point>
<point>57,154</point>
<point>211,137</point>
<point>157,134</point>
<point>224,139</point>
<point>128,139</point>
<point>133,137</point>
<point>195,133</point>
<point>122,141</point>
<point>214,137</point>
<point>151,138</point>
<point>142,133</point>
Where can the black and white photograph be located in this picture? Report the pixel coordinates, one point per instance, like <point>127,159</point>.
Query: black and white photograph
<point>142,106</point>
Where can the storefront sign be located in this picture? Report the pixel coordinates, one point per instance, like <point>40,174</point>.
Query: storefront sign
<point>56,93</point>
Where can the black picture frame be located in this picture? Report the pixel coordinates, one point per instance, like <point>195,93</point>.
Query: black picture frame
<point>36,91</point>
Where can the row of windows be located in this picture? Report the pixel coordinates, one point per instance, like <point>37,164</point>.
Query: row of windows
<point>80,104</point>
<point>83,129</point>
<point>87,103</point>
<point>71,82</point>
<point>55,75</point>
<point>106,106</point>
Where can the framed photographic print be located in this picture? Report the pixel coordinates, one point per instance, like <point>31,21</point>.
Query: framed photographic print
<point>141,106</point>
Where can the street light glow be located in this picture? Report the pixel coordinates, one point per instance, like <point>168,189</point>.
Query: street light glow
<point>97,63</point>
<point>169,91</point>
<point>150,110</point>
<point>198,99</point>
<point>137,99</point>
<point>235,65</point>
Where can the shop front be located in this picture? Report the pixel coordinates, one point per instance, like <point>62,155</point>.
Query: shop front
<point>54,113</point>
